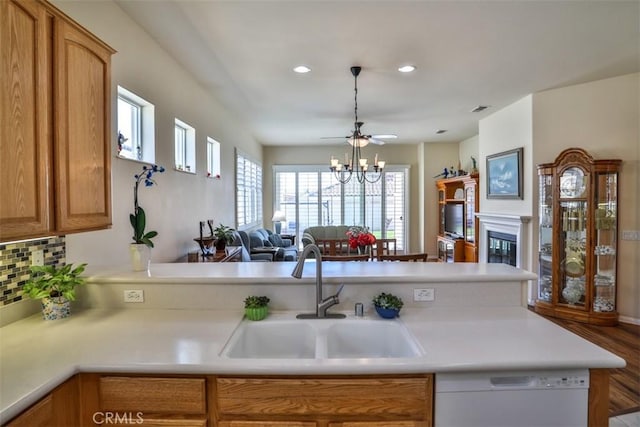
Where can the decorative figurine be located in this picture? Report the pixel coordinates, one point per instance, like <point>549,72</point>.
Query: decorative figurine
<point>121,141</point>
<point>445,173</point>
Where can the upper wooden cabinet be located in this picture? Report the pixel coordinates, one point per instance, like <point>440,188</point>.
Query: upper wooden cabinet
<point>55,104</point>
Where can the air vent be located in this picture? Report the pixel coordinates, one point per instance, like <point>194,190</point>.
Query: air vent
<point>439,131</point>
<point>479,108</point>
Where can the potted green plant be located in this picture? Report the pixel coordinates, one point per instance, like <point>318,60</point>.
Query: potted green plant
<point>387,305</point>
<point>256,308</point>
<point>55,286</point>
<point>224,236</point>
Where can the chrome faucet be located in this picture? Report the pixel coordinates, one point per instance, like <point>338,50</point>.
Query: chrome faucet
<point>322,305</point>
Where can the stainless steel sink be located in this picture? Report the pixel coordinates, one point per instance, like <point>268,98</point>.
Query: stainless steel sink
<point>321,339</point>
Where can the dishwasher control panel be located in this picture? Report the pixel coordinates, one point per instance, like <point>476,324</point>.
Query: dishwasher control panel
<point>568,381</point>
<point>513,380</point>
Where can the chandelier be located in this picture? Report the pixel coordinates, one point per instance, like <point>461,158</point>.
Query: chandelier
<point>357,164</point>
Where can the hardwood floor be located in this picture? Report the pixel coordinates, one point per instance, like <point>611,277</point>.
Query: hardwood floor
<point>624,341</point>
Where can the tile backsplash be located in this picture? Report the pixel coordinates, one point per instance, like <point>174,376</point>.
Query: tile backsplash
<point>15,260</point>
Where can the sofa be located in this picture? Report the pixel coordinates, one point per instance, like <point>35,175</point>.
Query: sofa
<point>241,238</point>
<point>263,237</point>
<point>317,234</point>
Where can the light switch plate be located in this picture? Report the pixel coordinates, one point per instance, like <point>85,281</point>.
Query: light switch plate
<point>630,235</point>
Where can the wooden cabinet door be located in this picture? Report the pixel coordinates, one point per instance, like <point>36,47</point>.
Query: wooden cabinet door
<point>39,415</point>
<point>59,408</point>
<point>25,134</point>
<point>82,138</point>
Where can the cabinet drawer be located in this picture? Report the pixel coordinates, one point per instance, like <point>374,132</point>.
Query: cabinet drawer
<point>267,424</point>
<point>409,398</point>
<point>153,395</point>
<point>381,424</point>
<point>169,422</point>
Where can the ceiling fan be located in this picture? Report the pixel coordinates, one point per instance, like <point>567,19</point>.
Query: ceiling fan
<point>357,138</point>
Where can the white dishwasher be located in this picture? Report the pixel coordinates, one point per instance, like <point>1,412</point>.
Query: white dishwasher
<point>512,399</point>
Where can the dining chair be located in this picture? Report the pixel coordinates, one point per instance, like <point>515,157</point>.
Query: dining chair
<point>385,247</point>
<point>418,257</point>
<point>364,257</point>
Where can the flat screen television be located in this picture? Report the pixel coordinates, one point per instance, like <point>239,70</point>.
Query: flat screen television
<point>454,220</point>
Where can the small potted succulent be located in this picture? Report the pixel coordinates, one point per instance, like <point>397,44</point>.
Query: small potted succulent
<point>224,236</point>
<point>55,286</point>
<point>387,305</point>
<point>256,308</point>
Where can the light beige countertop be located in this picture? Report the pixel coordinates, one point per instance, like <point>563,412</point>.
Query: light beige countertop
<point>37,355</point>
<point>332,272</point>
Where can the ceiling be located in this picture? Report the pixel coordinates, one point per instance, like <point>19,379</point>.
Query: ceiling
<point>467,53</point>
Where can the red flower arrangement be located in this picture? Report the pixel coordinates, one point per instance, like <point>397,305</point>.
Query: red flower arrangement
<point>360,236</point>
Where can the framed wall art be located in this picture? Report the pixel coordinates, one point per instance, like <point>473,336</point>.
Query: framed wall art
<point>504,175</point>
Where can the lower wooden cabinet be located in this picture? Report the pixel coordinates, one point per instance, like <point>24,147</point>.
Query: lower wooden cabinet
<point>315,424</point>
<point>344,401</point>
<point>380,424</point>
<point>238,401</point>
<point>450,250</point>
<point>58,408</point>
<point>146,400</point>
<point>267,424</point>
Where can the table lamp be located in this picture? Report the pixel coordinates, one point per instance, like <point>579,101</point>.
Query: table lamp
<point>278,217</point>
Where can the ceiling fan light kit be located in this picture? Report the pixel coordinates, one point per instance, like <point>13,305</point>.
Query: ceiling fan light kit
<point>362,168</point>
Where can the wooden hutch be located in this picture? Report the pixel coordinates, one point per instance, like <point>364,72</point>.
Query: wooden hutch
<point>458,204</point>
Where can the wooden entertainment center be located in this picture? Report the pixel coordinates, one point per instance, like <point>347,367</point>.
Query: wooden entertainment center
<point>457,223</point>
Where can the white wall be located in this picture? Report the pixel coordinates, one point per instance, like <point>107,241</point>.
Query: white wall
<point>435,158</point>
<point>180,200</point>
<point>468,149</point>
<point>504,130</point>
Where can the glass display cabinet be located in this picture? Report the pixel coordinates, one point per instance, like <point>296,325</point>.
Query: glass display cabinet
<point>578,238</point>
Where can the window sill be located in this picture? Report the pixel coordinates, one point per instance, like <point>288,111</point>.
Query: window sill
<point>184,171</point>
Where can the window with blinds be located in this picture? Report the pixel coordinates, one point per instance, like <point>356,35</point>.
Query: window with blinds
<point>248,192</point>
<point>309,196</point>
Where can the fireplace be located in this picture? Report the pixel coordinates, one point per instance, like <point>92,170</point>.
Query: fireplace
<point>501,248</point>
<point>514,225</point>
<point>517,228</point>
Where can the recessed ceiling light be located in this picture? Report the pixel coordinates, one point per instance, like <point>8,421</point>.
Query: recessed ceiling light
<point>439,131</point>
<point>406,68</point>
<point>302,69</point>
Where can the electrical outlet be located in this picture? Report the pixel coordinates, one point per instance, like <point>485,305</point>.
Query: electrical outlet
<point>424,294</point>
<point>37,258</point>
<point>136,295</point>
<point>630,235</point>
